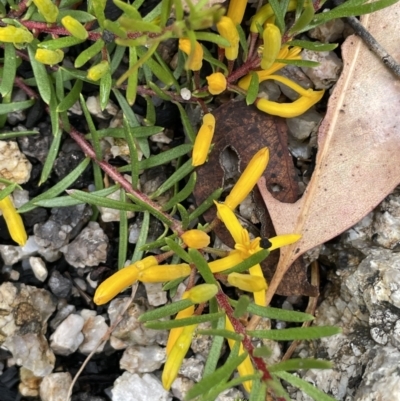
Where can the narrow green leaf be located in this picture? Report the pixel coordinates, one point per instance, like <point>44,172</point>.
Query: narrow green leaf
<point>150,111</point>
<point>184,216</point>
<point>215,350</point>
<point>171,324</point>
<point>187,126</point>
<point>101,201</point>
<point>116,58</point>
<point>153,14</point>
<point>278,314</point>
<point>143,234</point>
<point>115,28</point>
<point>304,19</point>
<point>60,43</point>
<point>123,233</point>
<point>158,91</point>
<point>220,375</point>
<point>262,352</point>
<point>9,70</point>
<point>304,386</point>
<point>136,132</point>
<point>167,69</point>
<point>41,76</point>
<point>165,12</point>
<point>183,194</point>
<point>243,41</point>
<point>241,306</point>
<point>79,15</point>
<point>297,333</point>
<point>315,46</point>
<point>146,206</point>
<point>89,53</point>
<point>213,38</point>
<point>134,166</point>
<point>299,363</point>
<point>206,204</point>
<point>249,262</point>
<point>214,62</point>
<point>8,135</point>
<point>131,87</point>
<point>221,332</point>
<point>129,10</point>
<point>258,391</point>
<point>279,14</point>
<point>299,63</point>
<point>57,188</point>
<point>182,172</point>
<point>202,266</point>
<point>173,246</point>
<point>71,98</point>
<point>7,190</point>
<point>164,311</point>
<point>7,108</point>
<point>252,92</point>
<point>172,285</point>
<point>93,132</point>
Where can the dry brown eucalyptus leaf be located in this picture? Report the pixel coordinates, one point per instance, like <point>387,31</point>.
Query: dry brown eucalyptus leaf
<point>244,130</point>
<point>359,146</point>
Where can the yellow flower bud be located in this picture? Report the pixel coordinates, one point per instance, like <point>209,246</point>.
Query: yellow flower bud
<point>14,221</point>
<point>272,45</point>
<point>219,265</point>
<point>216,83</point>
<point>99,70</point>
<point>116,283</point>
<point>246,282</point>
<point>195,239</point>
<point>246,367</point>
<point>236,10</point>
<point>12,34</point>
<point>283,240</point>
<point>175,357</point>
<point>257,273</point>
<point>159,274</point>
<point>47,9</point>
<point>49,57</point>
<point>307,99</point>
<point>226,214</point>
<point>248,179</point>
<point>197,59</point>
<point>203,140</point>
<point>202,293</point>
<point>146,262</point>
<point>227,29</point>
<point>74,27</point>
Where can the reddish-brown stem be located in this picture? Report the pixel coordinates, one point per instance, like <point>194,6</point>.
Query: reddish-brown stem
<point>223,302</point>
<point>125,184</point>
<point>22,6</point>
<point>252,45</point>
<point>28,90</point>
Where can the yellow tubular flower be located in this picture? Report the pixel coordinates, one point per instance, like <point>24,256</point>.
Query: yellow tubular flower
<point>227,29</point>
<point>272,44</point>
<point>283,240</point>
<point>308,98</point>
<point>236,10</point>
<point>246,282</point>
<point>225,213</point>
<point>175,357</point>
<point>49,57</point>
<point>246,367</point>
<point>116,283</point>
<point>203,140</point>
<point>47,9</point>
<point>99,70</point>
<point>120,280</point>
<point>14,221</point>
<point>159,274</point>
<point>202,293</point>
<point>216,83</point>
<point>248,179</point>
<point>176,332</point>
<point>219,265</point>
<point>12,34</point>
<point>197,60</point>
<point>257,273</point>
<point>74,27</point>
<point>195,239</point>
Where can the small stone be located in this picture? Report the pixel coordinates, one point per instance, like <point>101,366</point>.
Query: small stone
<point>180,387</point>
<point>192,368</point>
<point>14,275</point>
<point>32,352</point>
<point>64,310</point>
<point>131,386</point>
<point>94,329</point>
<point>138,359</point>
<point>186,94</point>
<point>201,344</point>
<point>108,214</point>
<point>231,394</point>
<point>14,166</point>
<point>89,248</point>
<point>327,73</point>
<point>303,126</point>
<point>68,335</point>
<point>329,32</point>
<point>155,295</point>
<point>39,268</point>
<point>161,138</point>
<point>93,105</point>
<point>37,146</point>
<point>29,385</point>
<point>55,386</point>
<point>59,285</point>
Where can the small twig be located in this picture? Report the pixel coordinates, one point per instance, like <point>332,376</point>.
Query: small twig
<point>103,339</point>
<point>374,46</point>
